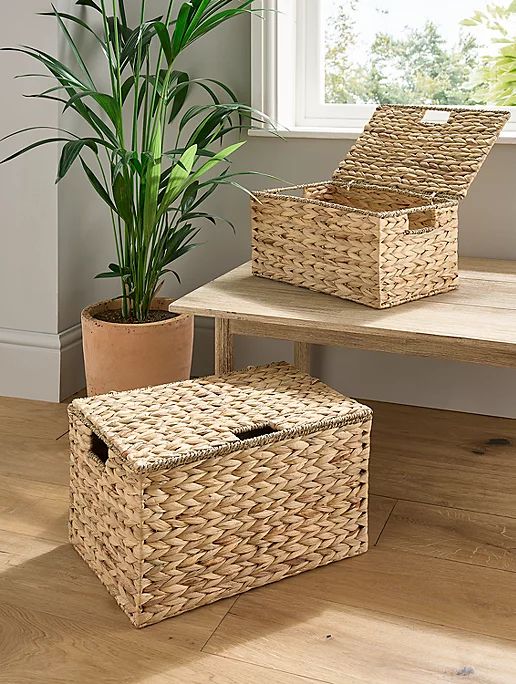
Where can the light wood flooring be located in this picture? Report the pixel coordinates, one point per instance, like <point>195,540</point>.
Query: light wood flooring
<point>434,600</point>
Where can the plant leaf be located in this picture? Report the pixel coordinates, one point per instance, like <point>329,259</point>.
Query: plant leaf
<point>216,159</point>
<point>89,3</point>
<point>123,198</point>
<point>220,18</point>
<point>97,185</point>
<point>73,46</point>
<point>189,196</point>
<point>39,143</point>
<point>202,6</point>
<point>106,102</point>
<point>127,85</point>
<point>180,28</point>
<point>62,73</point>
<point>107,274</point>
<point>72,83</point>
<point>69,154</point>
<point>164,39</point>
<point>182,88</point>
<point>153,175</point>
<point>79,22</point>
<point>140,36</point>
<point>121,8</point>
<point>178,178</point>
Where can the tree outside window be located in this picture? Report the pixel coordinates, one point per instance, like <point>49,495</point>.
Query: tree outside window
<point>459,60</point>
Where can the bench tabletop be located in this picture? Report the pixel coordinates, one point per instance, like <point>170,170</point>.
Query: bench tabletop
<point>476,322</point>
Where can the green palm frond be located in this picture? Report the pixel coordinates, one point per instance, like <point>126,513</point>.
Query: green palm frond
<point>153,194</point>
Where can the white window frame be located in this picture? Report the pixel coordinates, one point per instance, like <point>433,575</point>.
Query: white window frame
<point>287,76</point>
<point>273,45</point>
<point>311,109</point>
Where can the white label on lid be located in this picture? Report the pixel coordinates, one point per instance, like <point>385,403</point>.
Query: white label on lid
<point>436,116</point>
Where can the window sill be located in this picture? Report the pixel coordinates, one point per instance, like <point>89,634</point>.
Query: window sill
<point>507,138</point>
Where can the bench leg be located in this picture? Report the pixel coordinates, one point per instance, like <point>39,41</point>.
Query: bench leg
<point>302,352</point>
<point>223,347</point>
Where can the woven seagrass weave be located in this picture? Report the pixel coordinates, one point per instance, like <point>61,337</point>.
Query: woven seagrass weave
<point>399,150</point>
<point>384,230</point>
<point>188,493</point>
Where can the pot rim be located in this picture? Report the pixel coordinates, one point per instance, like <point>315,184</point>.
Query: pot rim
<point>87,314</point>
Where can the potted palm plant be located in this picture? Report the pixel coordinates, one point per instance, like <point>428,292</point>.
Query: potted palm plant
<point>154,185</point>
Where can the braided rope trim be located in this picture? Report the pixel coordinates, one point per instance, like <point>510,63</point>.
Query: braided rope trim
<point>420,231</point>
<point>146,464</point>
<point>444,200</point>
<point>445,108</point>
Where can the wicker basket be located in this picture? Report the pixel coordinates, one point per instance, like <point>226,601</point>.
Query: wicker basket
<point>188,493</point>
<point>383,231</point>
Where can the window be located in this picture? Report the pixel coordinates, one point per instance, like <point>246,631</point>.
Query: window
<point>324,65</point>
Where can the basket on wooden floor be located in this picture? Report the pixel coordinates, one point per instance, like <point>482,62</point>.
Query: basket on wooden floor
<point>188,493</point>
<point>383,231</point>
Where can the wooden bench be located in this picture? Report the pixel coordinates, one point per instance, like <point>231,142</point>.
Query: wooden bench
<point>475,323</point>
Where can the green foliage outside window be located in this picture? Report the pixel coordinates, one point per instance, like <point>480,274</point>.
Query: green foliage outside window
<point>497,74</point>
<point>420,67</point>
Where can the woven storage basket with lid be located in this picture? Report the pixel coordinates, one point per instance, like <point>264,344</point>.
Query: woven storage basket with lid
<point>383,231</point>
<point>188,493</point>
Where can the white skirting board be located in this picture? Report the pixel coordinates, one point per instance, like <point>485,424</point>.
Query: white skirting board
<point>392,378</point>
<point>42,366</point>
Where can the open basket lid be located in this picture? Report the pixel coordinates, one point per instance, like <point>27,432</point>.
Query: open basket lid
<point>423,149</point>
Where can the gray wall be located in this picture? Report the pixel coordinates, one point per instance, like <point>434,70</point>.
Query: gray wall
<point>29,342</point>
<point>28,261</point>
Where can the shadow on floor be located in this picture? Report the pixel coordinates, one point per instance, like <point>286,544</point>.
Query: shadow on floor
<point>60,625</point>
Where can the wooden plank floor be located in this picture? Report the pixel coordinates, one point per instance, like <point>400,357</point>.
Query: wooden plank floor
<point>433,601</point>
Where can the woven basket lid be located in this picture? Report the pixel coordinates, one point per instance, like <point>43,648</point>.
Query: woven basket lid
<point>166,426</point>
<point>422,149</point>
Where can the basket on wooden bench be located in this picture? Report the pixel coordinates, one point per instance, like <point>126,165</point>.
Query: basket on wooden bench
<point>383,231</point>
<point>188,493</point>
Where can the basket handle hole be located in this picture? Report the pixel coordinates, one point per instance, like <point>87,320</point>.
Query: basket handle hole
<point>421,222</point>
<point>99,448</point>
<point>436,116</point>
<point>256,432</point>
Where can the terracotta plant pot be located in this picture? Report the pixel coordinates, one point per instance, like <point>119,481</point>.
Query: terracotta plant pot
<point>119,356</point>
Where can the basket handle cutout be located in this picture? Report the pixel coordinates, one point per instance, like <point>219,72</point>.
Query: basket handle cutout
<point>99,448</point>
<point>436,116</point>
<point>255,432</point>
<point>421,222</point>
